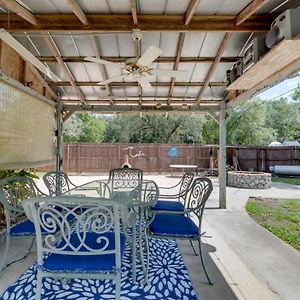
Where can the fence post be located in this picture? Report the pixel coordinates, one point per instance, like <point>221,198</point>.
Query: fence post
<point>78,153</point>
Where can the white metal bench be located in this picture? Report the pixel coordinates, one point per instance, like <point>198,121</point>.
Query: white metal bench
<point>183,167</point>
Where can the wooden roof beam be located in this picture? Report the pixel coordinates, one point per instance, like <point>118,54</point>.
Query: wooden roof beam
<point>76,59</point>
<point>147,109</point>
<point>177,60</point>
<point>128,84</point>
<point>191,11</point>
<point>20,10</point>
<point>123,23</point>
<point>134,12</point>
<point>250,10</point>
<point>78,11</point>
<point>214,65</point>
<point>53,48</point>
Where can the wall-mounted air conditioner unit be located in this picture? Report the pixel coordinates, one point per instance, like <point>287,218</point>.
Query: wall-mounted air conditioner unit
<point>285,26</point>
<point>253,52</point>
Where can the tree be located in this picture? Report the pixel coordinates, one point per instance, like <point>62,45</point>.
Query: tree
<point>84,128</point>
<point>246,125</point>
<point>284,117</point>
<point>296,95</point>
<point>153,129</point>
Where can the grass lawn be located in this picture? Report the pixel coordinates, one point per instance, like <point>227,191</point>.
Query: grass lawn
<point>280,216</point>
<point>295,181</point>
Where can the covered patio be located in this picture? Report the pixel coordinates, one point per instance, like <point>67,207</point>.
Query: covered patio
<point>238,271</point>
<point>148,57</point>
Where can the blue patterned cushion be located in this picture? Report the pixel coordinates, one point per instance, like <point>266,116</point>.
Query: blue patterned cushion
<point>168,205</point>
<point>85,263</point>
<point>174,225</point>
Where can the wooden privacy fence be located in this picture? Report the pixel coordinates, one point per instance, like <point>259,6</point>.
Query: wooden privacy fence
<point>157,158</point>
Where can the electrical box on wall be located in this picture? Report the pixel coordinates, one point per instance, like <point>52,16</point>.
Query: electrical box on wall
<point>254,51</point>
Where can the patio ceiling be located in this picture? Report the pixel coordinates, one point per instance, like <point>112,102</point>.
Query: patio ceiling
<point>204,37</point>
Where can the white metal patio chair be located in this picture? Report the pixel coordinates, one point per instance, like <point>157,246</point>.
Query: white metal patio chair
<point>173,198</point>
<point>125,177</point>
<point>13,191</point>
<point>90,244</point>
<point>58,183</point>
<point>179,225</point>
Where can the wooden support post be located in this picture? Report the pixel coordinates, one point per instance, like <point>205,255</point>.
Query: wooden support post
<point>222,155</point>
<point>58,134</point>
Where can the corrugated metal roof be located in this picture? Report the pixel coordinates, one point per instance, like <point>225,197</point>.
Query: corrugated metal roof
<point>197,44</point>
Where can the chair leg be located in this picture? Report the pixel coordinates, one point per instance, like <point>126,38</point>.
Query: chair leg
<point>3,263</point>
<point>196,253</point>
<point>38,290</point>
<point>118,286</point>
<point>202,261</point>
<point>133,256</point>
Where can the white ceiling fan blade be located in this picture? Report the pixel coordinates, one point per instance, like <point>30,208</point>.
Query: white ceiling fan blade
<point>144,83</point>
<point>104,62</point>
<point>150,55</point>
<point>172,73</point>
<point>27,55</point>
<point>114,78</point>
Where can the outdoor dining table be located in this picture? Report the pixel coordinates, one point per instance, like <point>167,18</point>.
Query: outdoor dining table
<point>136,197</point>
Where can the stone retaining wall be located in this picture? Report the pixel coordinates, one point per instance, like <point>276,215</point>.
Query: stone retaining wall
<point>249,180</point>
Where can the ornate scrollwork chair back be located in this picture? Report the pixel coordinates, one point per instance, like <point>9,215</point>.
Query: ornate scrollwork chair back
<point>173,198</point>
<point>125,178</point>
<point>13,191</point>
<point>58,183</point>
<point>90,244</point>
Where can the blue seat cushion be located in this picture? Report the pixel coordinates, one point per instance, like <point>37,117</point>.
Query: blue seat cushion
<point>174,225</point>
<point>168,205</point>
<point>85,263</point>
<point>25,228</point>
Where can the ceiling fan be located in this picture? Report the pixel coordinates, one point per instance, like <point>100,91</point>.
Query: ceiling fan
<point>139,67</point>
<point>26,54</point>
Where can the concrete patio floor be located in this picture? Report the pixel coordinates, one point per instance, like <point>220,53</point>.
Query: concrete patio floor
<point>244,260</point>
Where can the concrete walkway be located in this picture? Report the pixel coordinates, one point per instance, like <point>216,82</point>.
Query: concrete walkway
<point>244,260</point>
<point>274,263</point>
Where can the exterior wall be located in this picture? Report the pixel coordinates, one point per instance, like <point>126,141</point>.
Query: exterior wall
<point>14,66</point>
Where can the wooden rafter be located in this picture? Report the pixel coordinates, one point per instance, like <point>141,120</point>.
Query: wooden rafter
<point>177,60</point>
<point>145,101</point>
<point>78,11</point>
<point>214,65</point>
<point>191,11</point>
<point>134,12</point>
<point>20,11</point>
<point>53,48</point>
<point>101,67</point>
<point>132,83</point>
<point>133,108</point>
<point>251,9</point>
<point>77,59</point>
<point>44,82</point>
<point>123,23</point>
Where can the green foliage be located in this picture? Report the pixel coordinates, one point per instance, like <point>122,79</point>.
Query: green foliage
<point>153,129</point>
<point>246,125</point>
<point>282,218</point>
<point>84,128</point>
<point>17,173</point>
<point>284,117</point>
<point>296,95</point>
<point>255,122</point>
